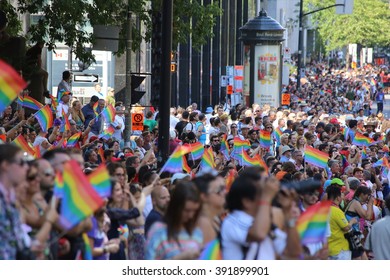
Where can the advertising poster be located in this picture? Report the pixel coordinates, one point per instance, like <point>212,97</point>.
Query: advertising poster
<point>267,71</point>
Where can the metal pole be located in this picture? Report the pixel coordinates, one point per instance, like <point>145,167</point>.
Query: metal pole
<point>129,42</point>
<point>300,45</point>
<point>165,96</point>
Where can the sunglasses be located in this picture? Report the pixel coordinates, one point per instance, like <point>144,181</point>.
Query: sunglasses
<point>48,173</point>
<point>20,162</point>
<point>32,177</point>
<point>218,191</point>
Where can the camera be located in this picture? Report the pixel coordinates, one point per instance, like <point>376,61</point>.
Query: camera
<point>304,186</point>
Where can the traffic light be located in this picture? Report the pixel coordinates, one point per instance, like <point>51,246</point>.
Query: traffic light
<point>136,95</point>
<point>156,57</point>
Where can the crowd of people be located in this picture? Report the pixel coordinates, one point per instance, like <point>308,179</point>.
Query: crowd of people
<point>159,215</point>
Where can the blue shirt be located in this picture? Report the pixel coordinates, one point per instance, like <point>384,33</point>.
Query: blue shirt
<point>89,114</point>
<point>153,217</point>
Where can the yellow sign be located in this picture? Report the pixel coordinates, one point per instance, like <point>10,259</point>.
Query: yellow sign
<point>137,121</point>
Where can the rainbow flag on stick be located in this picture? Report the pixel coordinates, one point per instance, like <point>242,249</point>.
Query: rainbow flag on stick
<point>72,140</point>
<point>312,224</point>
<point>87,247</point>
<point>22,143</point>
<point>65,122</point>
<point>175,161</point>
<point>45,118</point>
<point>207,159</point>
<point>225,147</point>
<point>31,103</point>
<point>185,166</point>
<point>361,140</point>
<point>230,179</point>
<point>197,150</point>
<point>11,83</point>
<point>108,113</point>
<point>58,185</point>
<point>265,139</point>
<point>107,134</point>
<point>79,199</point>
<point>277,134</point>
<point>101,154</point>
<point>250,161</point>
<point>212,251</point>
<point>316,157</point>
<point>37,151</point>
<point>100,180</point>
<point>54,103</point>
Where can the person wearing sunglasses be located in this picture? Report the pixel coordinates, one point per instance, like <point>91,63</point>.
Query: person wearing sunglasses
<point>212,192</point>
<point>13,171</point>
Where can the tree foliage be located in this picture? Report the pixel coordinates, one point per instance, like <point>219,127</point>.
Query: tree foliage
<point>366,25</point>
<point>68,21</point>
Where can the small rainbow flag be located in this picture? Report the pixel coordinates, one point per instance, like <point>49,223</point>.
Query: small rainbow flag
<point>11,83</point>
<point>19,100</point>
<point>100,180</point>
<point>107,133</point>
<point>31,103</point>
<point>65,126</point>
<point>316,157</point>
<point>361,140</point>
<point>345,133</point>
<point>72,140</point>
<point>207,159</point>
<point>58,185</point>
<point>197,150</point>
<point>45,118</point>
<point>238,147</point>
<point>79,199</point>
<point>277,134</point>
<point>87,248</point>
<point>175,161</point>
<point>230,179</point>
<point>265,139</point>
<point>225,147</point>
<point>312,224</point>
<point>212,251</point>
<point>37,152</point>
<point>101,154</point>
<point>250,161</point>
<point>108,113</point>
<point>54,103</point>
<point>22,143</point>
<point>185,166</point>
<point>364,152</point>
<point>263,164</point>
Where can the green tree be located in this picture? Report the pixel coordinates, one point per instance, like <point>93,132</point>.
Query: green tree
<point>366,25</point>
<point>68,21</point>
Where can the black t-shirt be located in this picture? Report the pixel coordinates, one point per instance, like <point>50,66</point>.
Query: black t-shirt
<point>180,126</point>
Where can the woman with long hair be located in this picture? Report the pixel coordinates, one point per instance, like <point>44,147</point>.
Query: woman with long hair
<point>178,237</point>
<point>301,144</point>
<point>77,114</point>
<point>212,192</point>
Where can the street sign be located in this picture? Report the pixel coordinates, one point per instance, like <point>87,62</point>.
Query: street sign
<point>85,78</point>
<point>286,99</point>
<point>137,121</point>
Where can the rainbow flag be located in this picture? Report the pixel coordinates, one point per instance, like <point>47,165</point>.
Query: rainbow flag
<point>250,161</point>
<point>185,166</point>
<point>65,125</point>
<point>312,224</point>
<point>45,118</point>
<point>100,180</point>
<point>54,103</point>
<point>197,150</point>
<point>72,140</point>
<point>212,251</point>
<point>378,163</point>
<point>19,100</point>
<point>225,147</point>
<point>361,140</point>
<point>207,159</point>
<point>263,164</point>
<point>316,157</point>
<point>230,179</point>
<point>31,103</point>
<point>373,82</point>
<point>95,108</point>
<point>364,152</point>
<point>108,113</point>
<point>175,161</point>
<point>107,134</point>
<point>11,83</point>
<point>87,248</point>
<point>79,199</point>
<point>22,143</point>
<point>277,134</point>
<point>101,154</point>
<point>37,152</point>
<point>238,147</point>
<point>346,133</point>
<point>265,139</point>
<point>58,185</point>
